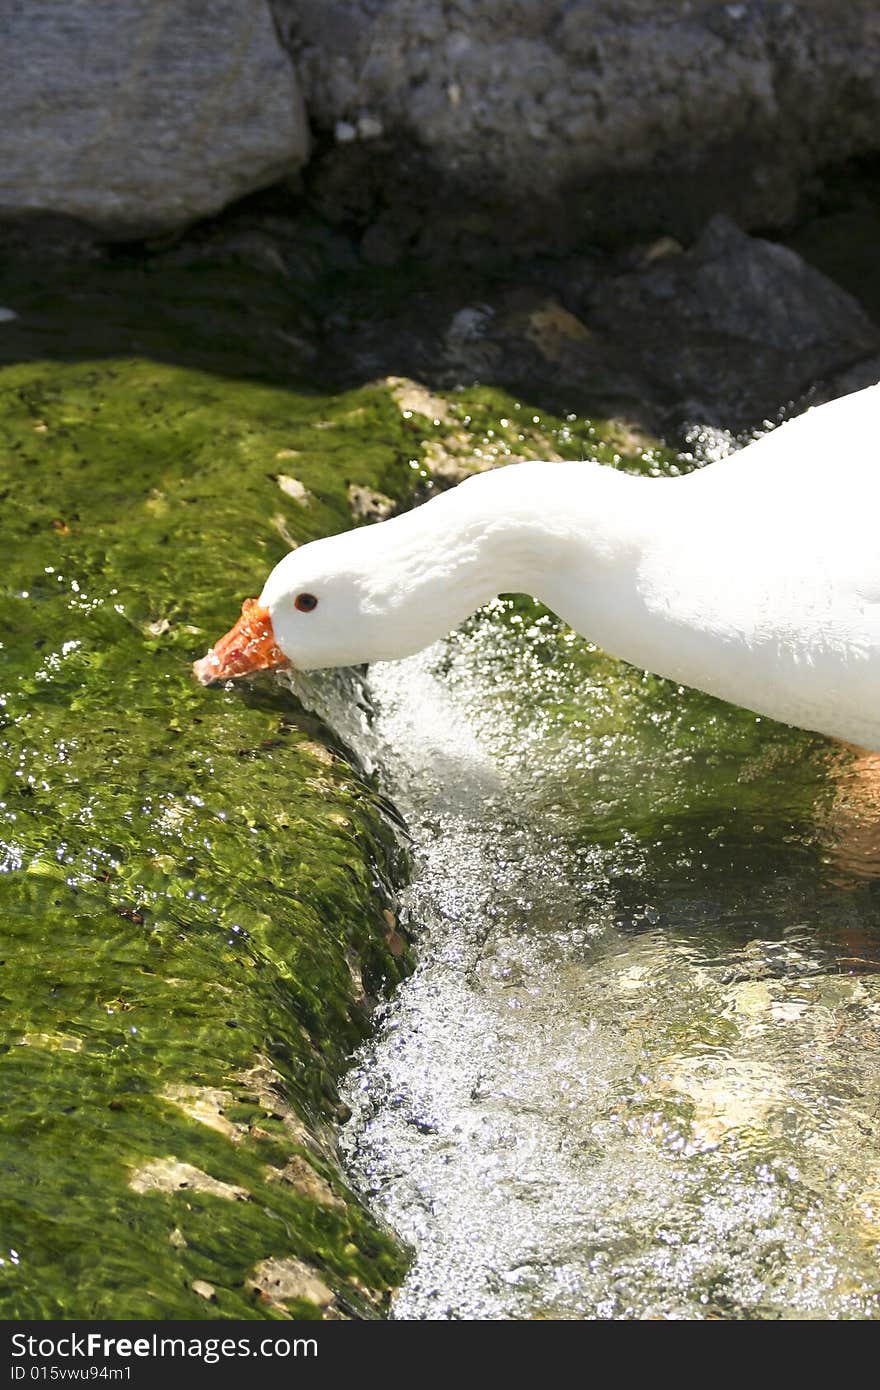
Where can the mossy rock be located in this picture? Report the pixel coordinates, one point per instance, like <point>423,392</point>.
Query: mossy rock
<point>193,880</point>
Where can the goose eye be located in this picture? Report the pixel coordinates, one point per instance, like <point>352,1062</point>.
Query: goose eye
<point>305,602</point>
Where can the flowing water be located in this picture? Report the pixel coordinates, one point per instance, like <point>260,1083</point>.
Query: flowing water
<point>635,1072</point>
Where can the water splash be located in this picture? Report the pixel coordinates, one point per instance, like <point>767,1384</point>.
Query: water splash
<point>629,1077</point>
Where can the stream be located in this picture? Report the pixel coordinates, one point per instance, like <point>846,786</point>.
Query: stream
<point>634,1074</point>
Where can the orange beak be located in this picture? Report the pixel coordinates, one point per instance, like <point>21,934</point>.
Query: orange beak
<point>249,646</point>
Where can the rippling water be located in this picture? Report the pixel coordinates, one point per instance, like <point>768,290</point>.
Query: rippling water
<point>635,1073</point>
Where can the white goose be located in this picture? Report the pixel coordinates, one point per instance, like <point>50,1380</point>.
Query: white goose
<point>756,579</point>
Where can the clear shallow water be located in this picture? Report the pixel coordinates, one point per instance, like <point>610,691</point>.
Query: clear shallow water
<point>635,1073</point>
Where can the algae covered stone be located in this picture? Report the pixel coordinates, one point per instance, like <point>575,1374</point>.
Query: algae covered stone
<point>186,875</point>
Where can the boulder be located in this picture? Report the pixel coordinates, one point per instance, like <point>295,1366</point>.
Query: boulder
<point>136,117</point>
<point>734,330</point>
<point>545,117</point>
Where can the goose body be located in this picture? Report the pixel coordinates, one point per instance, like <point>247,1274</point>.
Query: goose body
<point>755,579</point>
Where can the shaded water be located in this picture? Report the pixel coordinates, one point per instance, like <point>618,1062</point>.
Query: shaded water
<point>635,1073</point>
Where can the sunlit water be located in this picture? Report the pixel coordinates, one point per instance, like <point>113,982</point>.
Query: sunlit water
<point>635,1072</point>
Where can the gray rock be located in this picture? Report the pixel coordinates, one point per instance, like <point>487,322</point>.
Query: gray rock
<point>734,329</point>
<point>621,116</point>
<point>856,378</point>
<point>139,116</point>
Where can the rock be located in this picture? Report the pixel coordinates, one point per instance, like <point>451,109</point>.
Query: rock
<point>299,1173</point>
<point>368,505</point>
<point>279,521</point>
<point>864,373</point>
<point>734,329</point>
<point>555,115</point>
<point>413,399</point>
<point>142,117</point>
<point>369,128</point>
<point>744,287</point>
<point>283,1281</point>
<point>293,488</point>
<point>170,1175</point>
<point>206,1104</point>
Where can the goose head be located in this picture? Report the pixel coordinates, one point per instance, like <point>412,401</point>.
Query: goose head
<point>314,611</point>
<point>371,594</point>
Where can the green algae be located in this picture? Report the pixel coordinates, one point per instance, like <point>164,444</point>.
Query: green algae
<point>193,880</point>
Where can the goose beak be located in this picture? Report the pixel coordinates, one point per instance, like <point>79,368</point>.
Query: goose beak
<point>247,647</point>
